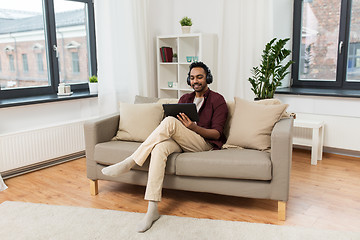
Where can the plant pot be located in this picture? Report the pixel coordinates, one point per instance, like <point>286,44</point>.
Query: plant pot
<point>93,88</point>
<point>185,29</point>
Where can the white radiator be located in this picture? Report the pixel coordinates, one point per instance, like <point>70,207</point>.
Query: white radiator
<point>27,148</point>
<point>303,135</point>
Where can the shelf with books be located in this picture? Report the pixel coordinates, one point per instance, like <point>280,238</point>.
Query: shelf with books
<point>168,63</point>
<point>189,48</point>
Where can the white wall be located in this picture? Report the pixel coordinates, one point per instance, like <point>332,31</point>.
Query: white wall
<point>165,16</point>
<point>341,117</point>
<point>29,117</point>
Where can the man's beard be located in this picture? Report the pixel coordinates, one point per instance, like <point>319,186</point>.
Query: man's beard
<point>199,89</point>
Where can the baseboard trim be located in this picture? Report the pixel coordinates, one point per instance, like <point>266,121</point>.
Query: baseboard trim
<point>45,164</point>
<point>338,151</point>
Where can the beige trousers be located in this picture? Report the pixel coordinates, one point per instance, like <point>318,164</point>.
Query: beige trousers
<point>169,137</point>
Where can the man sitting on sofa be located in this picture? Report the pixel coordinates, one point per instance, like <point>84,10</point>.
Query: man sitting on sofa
<point>176,135</point>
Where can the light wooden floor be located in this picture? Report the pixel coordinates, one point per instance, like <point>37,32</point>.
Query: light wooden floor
<point>325,196</point>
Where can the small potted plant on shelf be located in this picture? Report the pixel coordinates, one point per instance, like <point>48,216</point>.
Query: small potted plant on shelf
<point>186,24</point>
<point>267,77</point>
<point>93,84</point>
<point>174,58</point>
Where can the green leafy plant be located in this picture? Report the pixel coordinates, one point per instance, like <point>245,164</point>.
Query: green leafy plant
<point>267,77</point>
<point>93,79</point>
<point>186,21</point>
<point>175,55</point>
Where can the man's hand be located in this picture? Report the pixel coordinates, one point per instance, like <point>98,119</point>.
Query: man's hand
<point>205,133</point>
<point>186,121</point>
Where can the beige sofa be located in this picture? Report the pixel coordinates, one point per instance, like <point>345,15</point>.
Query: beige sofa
<point>233,171</point>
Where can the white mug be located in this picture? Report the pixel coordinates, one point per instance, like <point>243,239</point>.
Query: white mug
<point>67,89</point>
<point>61,88</point>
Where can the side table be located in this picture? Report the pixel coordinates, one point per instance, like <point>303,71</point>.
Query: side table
<point>317,139</point>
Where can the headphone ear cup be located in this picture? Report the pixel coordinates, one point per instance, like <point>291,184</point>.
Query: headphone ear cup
<point>209,77</point>
<point>188,80</point>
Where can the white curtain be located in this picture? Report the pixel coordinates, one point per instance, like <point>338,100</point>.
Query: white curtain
<point>247,26</point>
<point>122,51</point>
<point>2,184</point>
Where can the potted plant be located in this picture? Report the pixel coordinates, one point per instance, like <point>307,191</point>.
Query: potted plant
<point>93,84</point>
<point>267,77</point>
<point>174,59</point>
<point>186,24</point>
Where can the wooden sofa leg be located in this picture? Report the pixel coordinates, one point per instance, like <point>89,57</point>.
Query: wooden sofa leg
<point>281,210</point>
<point>94,187</point>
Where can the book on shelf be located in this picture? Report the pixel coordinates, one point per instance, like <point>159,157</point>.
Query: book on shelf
<point>166,54</point>
<point>162,54</point>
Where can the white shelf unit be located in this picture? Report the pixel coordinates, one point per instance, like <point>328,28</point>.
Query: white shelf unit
<point>200,45</point>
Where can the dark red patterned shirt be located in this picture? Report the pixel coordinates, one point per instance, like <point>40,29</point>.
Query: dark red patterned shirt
<point>212,114</point>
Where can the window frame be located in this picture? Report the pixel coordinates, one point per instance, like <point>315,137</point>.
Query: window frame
<point>341,66</point>
<point>53,68</point>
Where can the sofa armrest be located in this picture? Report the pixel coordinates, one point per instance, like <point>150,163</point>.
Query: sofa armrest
<point>97,131</point>
<point>281,157</point>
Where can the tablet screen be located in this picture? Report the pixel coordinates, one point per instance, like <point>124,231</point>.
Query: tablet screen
<point>188,108</point>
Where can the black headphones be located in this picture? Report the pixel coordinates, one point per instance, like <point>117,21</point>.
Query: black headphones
<point>209,77</point>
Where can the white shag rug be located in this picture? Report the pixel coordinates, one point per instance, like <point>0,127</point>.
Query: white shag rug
<point>19,220</point>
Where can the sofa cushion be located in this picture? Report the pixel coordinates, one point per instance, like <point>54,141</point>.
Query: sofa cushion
<point>109,153</point>
<point>231,110</point>
<point>252,123</point>
<point>138,121</point>
<point>168,101</point>
<point>142,99</point>
<point>226,163</point>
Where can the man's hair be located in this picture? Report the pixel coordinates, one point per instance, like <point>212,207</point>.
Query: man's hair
<point>199,64</point>
<point>209,77</point>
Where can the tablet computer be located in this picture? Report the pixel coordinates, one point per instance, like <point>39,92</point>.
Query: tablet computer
<point>188,108</point>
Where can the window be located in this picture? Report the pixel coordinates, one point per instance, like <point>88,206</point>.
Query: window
<point>25,63</point>
<point>354,61</point>
<point>38,36</point>
<point>75,62</point>
<point>40,64</point>
<point>11,63</point>
<point>326,44</point>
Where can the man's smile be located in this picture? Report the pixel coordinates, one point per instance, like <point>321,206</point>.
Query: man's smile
<point>196,85</point>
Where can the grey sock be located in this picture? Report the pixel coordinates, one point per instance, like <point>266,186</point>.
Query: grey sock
<point>119,168</point>
<point>150,217</point>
